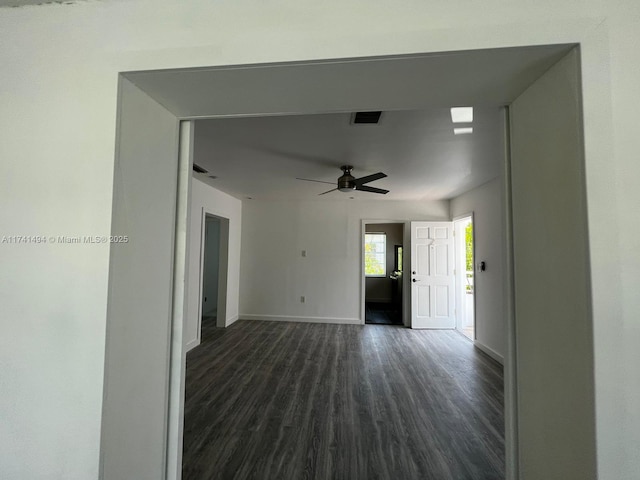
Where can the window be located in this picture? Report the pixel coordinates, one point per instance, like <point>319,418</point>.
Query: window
<point>375,255</point>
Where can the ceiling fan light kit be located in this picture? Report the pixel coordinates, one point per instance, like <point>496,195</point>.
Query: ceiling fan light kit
<point>346,182</point>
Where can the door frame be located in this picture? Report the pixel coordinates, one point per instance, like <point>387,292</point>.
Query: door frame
<point>459,300</point>
<point>406,318</point>
<point>176,355</point>
<point>223,268</point>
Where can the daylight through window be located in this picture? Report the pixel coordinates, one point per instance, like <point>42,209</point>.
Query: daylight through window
<point>375,254</point>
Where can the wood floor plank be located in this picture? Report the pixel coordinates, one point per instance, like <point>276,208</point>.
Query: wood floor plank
<point>272,400</point>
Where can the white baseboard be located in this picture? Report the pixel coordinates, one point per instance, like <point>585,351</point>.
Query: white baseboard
<point>191,345</point>
<point>231,320</point>
<point>195,342</point>
<point>489,351</point>
<point>287,318</point>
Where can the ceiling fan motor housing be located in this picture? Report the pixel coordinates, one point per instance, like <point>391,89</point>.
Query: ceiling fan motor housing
<point>346,182</point>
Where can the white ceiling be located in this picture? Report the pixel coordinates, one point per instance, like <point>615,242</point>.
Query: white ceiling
<point>260,157</point>
<point>300,127</point>
<point>276,122</point>
<point>20,3</point>
<point>410,82</point>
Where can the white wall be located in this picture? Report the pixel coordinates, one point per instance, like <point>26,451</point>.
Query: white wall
<point>58,97</point>
<point>486,204</point>
<point>207,198</point>
<point>274,275</point>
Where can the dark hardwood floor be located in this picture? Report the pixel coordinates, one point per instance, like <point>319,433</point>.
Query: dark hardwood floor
<point>291,401</point>
<point>383,313</point>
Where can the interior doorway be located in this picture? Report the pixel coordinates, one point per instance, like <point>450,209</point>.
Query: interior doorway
<point>465,285</point>
<point>156,443</point>
<point>213,267</point>
<point>210,273</point>
<point>383,273</point>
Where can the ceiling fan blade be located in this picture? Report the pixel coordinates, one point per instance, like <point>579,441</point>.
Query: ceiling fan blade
<point>319,181</point>
<point>332,190</point>
<point>364,188</point>
<point>370,178</point>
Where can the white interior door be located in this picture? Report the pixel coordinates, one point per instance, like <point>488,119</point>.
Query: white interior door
<point>432,279</point>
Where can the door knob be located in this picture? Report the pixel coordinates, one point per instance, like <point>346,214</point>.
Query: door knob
<point>414,280</point>
<point>414,272</point>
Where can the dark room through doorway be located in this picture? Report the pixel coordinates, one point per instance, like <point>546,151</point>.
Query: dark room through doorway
<point>383,245</point>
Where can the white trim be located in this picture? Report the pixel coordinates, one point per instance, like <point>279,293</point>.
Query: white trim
<point>290,318</point>
<point>203,217</point>
<point>231,320</point>
<point>223,271</point>
<point>511,427</point>
<point>177,352</point>
<point>191,345</point>
<point>489,351</point>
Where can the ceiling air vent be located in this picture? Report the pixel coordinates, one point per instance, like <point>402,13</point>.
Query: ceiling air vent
<point>365,117</point>
<point>199,169</point>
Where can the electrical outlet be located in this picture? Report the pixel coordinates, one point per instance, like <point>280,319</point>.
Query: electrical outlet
<point>304,253</point>
<point>302,299</point>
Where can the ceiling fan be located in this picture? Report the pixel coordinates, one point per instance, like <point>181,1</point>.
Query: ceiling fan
<point>348,183</point>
